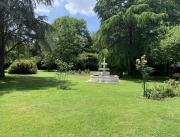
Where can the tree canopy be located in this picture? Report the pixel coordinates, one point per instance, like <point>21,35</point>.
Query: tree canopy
<point>171,44</point>
<point>71,37</point>
<point>19,25</point>
<point>129,28</point>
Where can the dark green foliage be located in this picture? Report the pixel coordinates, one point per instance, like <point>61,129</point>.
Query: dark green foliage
<point>19,25</point>
<point>87,61</point>
<point>23,66</point>
<point>133,27</point>
<point>48,61</point>
<point>127,32</point>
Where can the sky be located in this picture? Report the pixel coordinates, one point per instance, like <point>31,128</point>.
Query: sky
<point>81,9</point>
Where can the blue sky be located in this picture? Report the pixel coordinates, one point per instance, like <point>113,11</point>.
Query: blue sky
<point>81,9</point>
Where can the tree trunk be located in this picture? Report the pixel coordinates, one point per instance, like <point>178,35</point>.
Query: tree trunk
<point>130,61</point>
<point>144,87</point>
<point>2,57</point>
<point>130,71</point>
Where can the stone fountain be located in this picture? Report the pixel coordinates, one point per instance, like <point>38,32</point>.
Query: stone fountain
<point>104,75</point>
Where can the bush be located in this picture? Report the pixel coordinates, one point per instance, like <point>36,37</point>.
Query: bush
<point>170,88</point>
<point>23,66</point>
<point>160,92</point>
<point>175,85</point>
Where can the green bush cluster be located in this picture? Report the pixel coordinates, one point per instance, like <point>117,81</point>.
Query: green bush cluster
<point>170,88</point>
<point>23,66</point>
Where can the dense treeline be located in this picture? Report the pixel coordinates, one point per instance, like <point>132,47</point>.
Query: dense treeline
<point>129,29</point>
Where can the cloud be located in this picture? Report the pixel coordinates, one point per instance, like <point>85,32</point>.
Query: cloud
<point>57,2</point>
<point>84,7</point>
<point>74,7</point>
<point>45,10</point>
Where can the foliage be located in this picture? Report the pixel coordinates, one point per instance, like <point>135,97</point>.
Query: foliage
<point>174,84</point>
<point>127,30</point>
<point>166,50</point>
<point>87,61</point>
<point>71,37</point>
<point>160,92</point>
<point>170,45</point>
<point>170,88</point>
<point>63,66</point>
<point>141,65</point>
<point>132,27</point>
<point>48,61</point>
<point>62,74</point>
<point>19,25</point>
<point>23,66</point>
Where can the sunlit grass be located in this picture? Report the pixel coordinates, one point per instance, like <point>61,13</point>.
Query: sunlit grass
<point>32,106</point>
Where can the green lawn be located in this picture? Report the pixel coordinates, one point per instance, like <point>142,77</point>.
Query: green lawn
<point>32,106</point>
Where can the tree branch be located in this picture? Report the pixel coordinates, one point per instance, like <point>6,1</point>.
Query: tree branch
<point>14,46</point>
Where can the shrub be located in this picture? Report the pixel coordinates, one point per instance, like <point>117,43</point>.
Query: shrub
<point>160,92</point>
<point>23,66</point>
<point>170,88</point>
<point>175,85</point>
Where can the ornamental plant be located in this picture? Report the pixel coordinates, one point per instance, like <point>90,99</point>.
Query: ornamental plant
<point>145,70</point>
<point>62,74</point>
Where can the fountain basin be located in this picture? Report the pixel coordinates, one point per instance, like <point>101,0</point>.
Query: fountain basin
<point>104,79</point>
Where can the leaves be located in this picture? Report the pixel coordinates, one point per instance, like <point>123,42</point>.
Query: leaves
<point>127,33</point>
<point>71,37</point>
<point>20,23</point>
<point>170,45</point>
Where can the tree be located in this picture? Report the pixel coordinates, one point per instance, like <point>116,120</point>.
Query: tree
<point>127,30</point>
<point>170,7</point>
<point>171,45</point>
<point>107,8</point>
<point>71,37</point>
<point>167,51</point>
<point>19,25</point>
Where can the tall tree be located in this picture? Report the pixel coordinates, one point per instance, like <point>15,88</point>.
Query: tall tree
<point>127,30</point>
<point>19,24</point>
<point>71,37</point>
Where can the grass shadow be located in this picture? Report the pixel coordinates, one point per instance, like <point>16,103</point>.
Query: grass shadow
<point>25,83</point>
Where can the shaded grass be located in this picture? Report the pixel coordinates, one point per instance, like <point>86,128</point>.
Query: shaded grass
<point>26,83</point>
<point>34,107</point>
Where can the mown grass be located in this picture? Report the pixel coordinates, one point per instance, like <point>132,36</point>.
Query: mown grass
<point>32,106</point>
